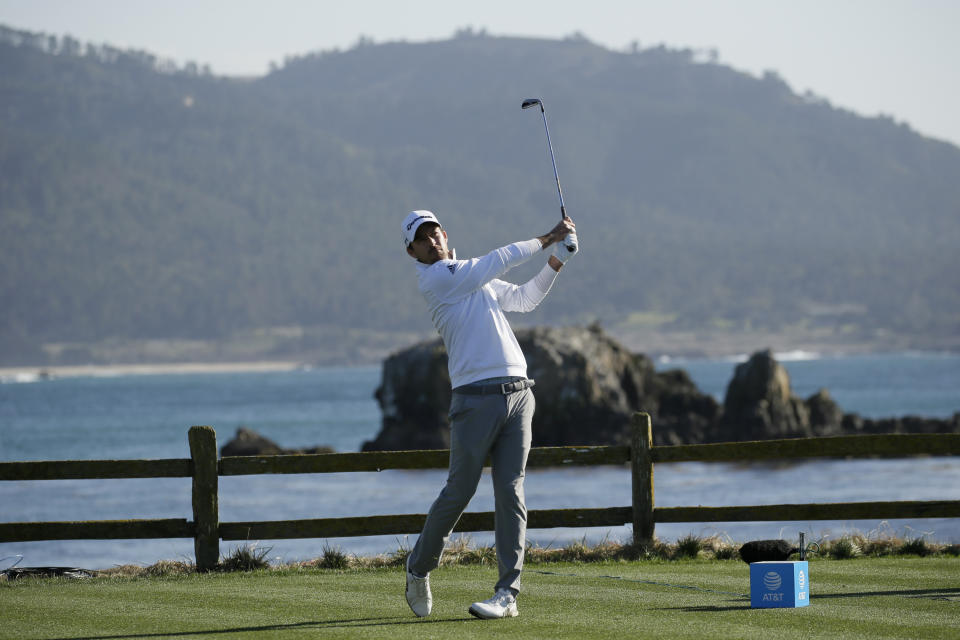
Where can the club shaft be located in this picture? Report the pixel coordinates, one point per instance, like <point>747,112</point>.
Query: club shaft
<point>563,210</point>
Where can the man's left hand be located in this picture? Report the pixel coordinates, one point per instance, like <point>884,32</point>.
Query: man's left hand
<point>563,251</point>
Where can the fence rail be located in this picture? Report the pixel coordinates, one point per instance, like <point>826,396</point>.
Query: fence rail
<point>95,469</point>
<point>205,468</point>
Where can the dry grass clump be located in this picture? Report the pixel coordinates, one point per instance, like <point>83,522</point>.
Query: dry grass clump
<point>720,547</point>
<point>885,545</point>
<point>844,549</point>
<point>333,558</point>
<point>882,542</point>
<point>689,546</point>
<point>462,551</point>
<point>918,547</point>
<point>157,570</point>
<point>574,552</point>
<point>170,568</point>
<point>245,558</point>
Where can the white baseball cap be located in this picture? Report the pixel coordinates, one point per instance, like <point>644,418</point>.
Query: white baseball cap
<point>413,221</point>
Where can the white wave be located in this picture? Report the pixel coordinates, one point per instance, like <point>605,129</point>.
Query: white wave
<point>24,377</point>
<point>797,355</point>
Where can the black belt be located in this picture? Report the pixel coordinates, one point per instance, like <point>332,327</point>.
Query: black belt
<point>488,389</point>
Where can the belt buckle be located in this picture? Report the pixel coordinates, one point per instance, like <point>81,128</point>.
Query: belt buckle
<point>512,387</point>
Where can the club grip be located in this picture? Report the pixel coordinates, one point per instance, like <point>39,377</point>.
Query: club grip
<point>563,214</point>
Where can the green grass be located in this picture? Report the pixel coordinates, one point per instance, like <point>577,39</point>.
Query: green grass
<point>890,597</point>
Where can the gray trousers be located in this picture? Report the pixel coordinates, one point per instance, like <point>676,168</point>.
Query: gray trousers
<point>480,425</point>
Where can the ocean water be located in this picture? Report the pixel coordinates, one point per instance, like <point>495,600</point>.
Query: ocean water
<point>147,416</point>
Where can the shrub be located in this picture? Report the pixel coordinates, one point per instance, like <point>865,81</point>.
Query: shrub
<point>689,546</point>
<point>245,558</point>
<point>844,549</point>
<point>726,552</point>
<point>333,558</point>
<point>915,547</point>
<point>399,557</point>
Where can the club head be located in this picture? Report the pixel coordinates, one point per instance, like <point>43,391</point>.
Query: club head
<point>531,102</point>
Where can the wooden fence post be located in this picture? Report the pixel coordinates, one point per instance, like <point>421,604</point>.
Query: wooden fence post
<point>206,512</point>
<point>641,468</point>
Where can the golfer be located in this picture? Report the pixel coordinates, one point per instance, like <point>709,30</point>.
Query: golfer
<point>492,406</point>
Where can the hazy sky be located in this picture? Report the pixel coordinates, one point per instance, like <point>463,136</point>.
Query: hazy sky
<point>893,57</point>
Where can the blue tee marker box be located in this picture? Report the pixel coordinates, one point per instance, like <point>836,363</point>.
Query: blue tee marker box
<point>779,584</point>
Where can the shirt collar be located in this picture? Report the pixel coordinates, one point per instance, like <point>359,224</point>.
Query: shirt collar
<point>421,266</point>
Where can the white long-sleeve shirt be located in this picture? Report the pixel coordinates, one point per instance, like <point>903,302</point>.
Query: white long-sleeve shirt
<point>466,302</point>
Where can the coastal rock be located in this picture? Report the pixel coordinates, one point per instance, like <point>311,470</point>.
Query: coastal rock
<point>680,412</point>
<point>905,424</point>
<point>414,397</point>
<point>248,442</point>
<point>588,385</point>
<point>826,416</point>
<point>587,388</point>
<point>760,405</point>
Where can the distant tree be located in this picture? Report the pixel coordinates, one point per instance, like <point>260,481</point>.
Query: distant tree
<point>71,47</point>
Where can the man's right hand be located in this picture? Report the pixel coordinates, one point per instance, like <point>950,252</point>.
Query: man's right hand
<point>558,233</point>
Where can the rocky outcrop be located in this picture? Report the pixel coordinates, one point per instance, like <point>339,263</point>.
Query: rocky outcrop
<point>588,386</point>
<point>760,405</point>
<point>854,424</point>
<point>583,379</point>
<point>680,412</point>
<point>248,442</point>
<point>414,397</point>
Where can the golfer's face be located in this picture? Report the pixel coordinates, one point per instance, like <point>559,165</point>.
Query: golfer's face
<point>430,243</point>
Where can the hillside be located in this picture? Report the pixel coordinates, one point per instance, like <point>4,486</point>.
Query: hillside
<point>139,201</point>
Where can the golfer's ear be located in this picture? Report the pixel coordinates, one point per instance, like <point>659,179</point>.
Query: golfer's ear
<point>410,252</point>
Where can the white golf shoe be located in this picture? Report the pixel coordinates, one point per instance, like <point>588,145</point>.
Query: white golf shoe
<point>502,605</point>
<point>418,594</point>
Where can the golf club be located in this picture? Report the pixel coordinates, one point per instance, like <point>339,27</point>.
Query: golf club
<point>532,102</point>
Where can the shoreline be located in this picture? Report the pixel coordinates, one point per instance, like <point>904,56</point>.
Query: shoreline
<point>24,373</point>
<point>108,370</point>
<point>661,346</point>
<point>238,355</point>
<point>722,344</point>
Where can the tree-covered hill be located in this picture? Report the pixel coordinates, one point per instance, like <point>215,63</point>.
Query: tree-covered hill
<point>138,200</point>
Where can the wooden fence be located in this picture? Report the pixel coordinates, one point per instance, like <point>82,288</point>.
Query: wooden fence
<point>205,468</point>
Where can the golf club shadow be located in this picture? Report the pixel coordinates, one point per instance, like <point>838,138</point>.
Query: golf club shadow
<point>947,592</point>
<point>312,624</point>
<point>705,608</point>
